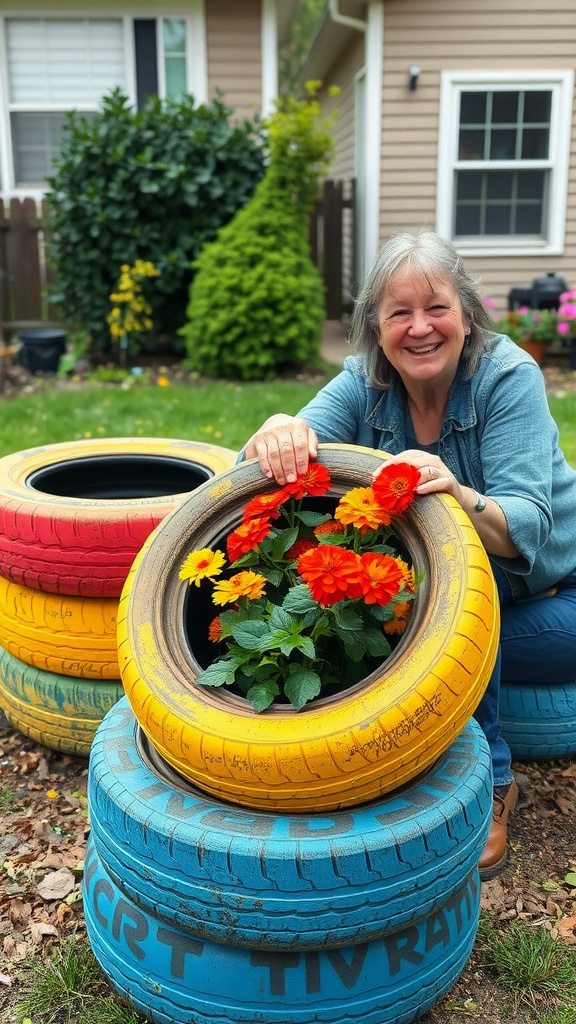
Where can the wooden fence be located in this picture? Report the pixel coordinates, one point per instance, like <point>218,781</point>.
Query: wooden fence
<point>26,276</point>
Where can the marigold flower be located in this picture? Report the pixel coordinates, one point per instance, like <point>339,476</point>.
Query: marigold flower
<point>331,573</point>
<point>300,546</point>
<point>381,577</point>
<point>246,537</point>
<point>202,565</point>
<point>264,505</point>
<point>315,481</point>
<point>328,528</point>
<point>402,613</point>
<point>215,630</point>
<point>407,574</point>
<point>395,485</point>
<point>243,584</point>
<point>359,508</point>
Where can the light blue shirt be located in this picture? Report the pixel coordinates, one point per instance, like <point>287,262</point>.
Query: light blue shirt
<point>498,437</point>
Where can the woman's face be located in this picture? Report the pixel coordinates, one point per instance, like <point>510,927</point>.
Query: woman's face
<point>422,328</point>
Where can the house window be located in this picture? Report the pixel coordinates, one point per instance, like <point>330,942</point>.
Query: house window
<point>503,161</point>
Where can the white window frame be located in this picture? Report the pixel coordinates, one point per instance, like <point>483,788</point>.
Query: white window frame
<point>561,85</point>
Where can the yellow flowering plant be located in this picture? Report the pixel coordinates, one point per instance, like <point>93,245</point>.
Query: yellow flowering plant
<point>131,313</point>
<point>311,601</point>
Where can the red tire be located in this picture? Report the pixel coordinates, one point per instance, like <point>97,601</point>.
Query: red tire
<point>73,516</point>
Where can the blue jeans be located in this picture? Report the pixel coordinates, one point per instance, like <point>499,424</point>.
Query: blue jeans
<point>537,645</point>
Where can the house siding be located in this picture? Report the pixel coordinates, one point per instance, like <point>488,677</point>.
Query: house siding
<point>235,54</point>
<point>482,35</point>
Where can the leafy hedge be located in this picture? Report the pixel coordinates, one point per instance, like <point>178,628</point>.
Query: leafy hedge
<point>257,301</point>
<point>154,185</point>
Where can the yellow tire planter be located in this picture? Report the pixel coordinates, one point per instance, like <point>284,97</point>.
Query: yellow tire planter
<point>339,751</point>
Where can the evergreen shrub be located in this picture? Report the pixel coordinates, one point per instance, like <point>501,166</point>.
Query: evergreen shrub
<point>257,301</point>
<point>155,185</point>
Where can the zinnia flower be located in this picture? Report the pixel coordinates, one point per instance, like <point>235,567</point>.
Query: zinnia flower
<point>246,537</point>
<point>202,565</point>
<point>264,505</point>
<point>359,508</point>
<point>402,613</point>
<point>300,546</point>
<point>215,630</point>
<point>329,527</point>
<point>382,577</point>
<point>331,573</point>
<point>395,485</point>
<point>407,574</point>
<point>315,480</point>
<point>243,584</point>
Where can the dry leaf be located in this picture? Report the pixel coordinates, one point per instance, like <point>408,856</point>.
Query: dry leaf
<point>5,979</point>
<point>566,928</point>
<point>56,885</point>
<point>38,929</point>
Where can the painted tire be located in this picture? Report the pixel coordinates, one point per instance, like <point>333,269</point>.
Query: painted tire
<point>60,712</point>
<point>339,751</point>
<point>72,636</point>
<point>74,515</point>
<point>262,880</point>
<point>174,978</point>
<point>539,720</point>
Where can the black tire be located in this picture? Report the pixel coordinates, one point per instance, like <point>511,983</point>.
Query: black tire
<point>60,712</point>
<point>260,879</point>
<point>539,720</point>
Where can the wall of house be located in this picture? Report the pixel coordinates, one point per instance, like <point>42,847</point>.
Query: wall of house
<point>233,34</point>
<point>451,35</point>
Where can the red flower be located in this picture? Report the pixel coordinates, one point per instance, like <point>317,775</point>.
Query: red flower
<point>215,630</point>
<point>247,537</point>
<point>395,485</point>
<point>381,577</point>
<point>331,573</point>
<point>264,505</point>
<point>300,546</point>
<point>330,526</point>
<point>315,480</point>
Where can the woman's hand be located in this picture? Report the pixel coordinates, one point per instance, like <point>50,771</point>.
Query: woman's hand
<point>283,446</point>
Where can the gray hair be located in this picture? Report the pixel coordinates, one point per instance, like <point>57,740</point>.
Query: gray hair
<point>433,257</point>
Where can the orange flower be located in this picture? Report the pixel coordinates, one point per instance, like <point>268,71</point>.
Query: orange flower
<point>215,630</point>
<point>395,485</point>
<point>381,579</point>
<point>315,480</point>
<point>299,547</point>
<point>331,573</point>
<point>264,505</point>
<point>202,565</point>
<point>243,584</point>
<point>246,537</point>
<point>325,529</point>
<point>402,613</point>
<point>360,509</point>
<point>407,574</point>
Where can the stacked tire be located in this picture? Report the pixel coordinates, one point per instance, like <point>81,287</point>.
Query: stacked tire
<point>72,518</point>
<point>293,867</point>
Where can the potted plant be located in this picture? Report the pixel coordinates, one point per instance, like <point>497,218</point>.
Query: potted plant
<point>532,329</point>
<point>567,323</point>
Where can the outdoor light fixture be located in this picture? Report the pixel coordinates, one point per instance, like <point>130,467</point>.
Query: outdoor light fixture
<point>414,73</point>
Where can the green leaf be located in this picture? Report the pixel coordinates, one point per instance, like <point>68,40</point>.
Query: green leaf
<point>285,541</point>
<point>570,878</point>
<point>376,643</point>
<point>312,519</point>
<point>354,645</point>
<point>347,618</point>
<point>301,686</point>
<point>219,673</point>
<point>299,600</point>
<point>251,634</point>
<point>262,694</point>
<point>280,619</point>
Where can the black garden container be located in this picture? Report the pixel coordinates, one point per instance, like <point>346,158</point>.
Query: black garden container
<point>41,349</point>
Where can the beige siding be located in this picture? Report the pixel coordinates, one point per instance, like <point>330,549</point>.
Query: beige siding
<point>456,36</point>
<point>234,46</point>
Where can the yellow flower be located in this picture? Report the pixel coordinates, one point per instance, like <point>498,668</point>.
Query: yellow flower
<point>243,584</point>
<point>202,565</point>
<point>163,382</point>
<point>360,509</point>
<point>52,794</point>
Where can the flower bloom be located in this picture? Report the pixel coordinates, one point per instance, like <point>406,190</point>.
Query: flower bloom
<point>402,613</point>
<point>329,527</point>
<point>264,505</point>
<point>315,480</point>
<point>331,573</point>
<point>243,584</point>
<point>395,485</point>
<point>381,577</point>
<point>246,537</point>
<point>300,546</point>
<point>360,508</point>
<point>407,575</point>
<point>202,565</point>
<point>215,630</point>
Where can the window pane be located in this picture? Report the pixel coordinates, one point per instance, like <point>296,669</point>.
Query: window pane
<point>503,144</point>
<point>537,107</point>
<point>499,184</point>
<point>535,143</point>
<point>473,107</point>
<point>529,220</point>
<point>500,202</point>
<point>471,144</point>
<point>467,220</point>
<point>175,70</point>
<point>498,220</point>
<point>531,185</point>
<point>469,185</point>
<point>505,107</point>
<point>36,139</point>
<point>174,38</point>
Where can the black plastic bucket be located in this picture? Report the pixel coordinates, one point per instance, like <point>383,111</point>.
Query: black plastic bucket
<point>41,349</point>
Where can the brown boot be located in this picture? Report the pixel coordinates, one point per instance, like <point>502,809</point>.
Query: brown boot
<point>493,856</point>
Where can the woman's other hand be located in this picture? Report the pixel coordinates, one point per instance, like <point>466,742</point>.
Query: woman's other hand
<point>283,446</point>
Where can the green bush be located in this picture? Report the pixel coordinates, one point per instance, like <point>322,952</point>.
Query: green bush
<point>257,301</point>
<point>154,185</point>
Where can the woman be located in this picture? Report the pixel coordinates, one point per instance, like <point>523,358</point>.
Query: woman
<point>432,385</point>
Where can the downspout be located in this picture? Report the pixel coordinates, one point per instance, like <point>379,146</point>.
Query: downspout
<point>370,159</point>
<point>269,44</point>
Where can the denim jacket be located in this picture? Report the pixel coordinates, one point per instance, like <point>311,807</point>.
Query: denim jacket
<point>498,437</point>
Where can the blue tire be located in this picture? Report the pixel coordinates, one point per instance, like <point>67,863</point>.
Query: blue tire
<point>539,721</point>
<point>61,712</point>
<point>266,880</point>
<point>175,978</point>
